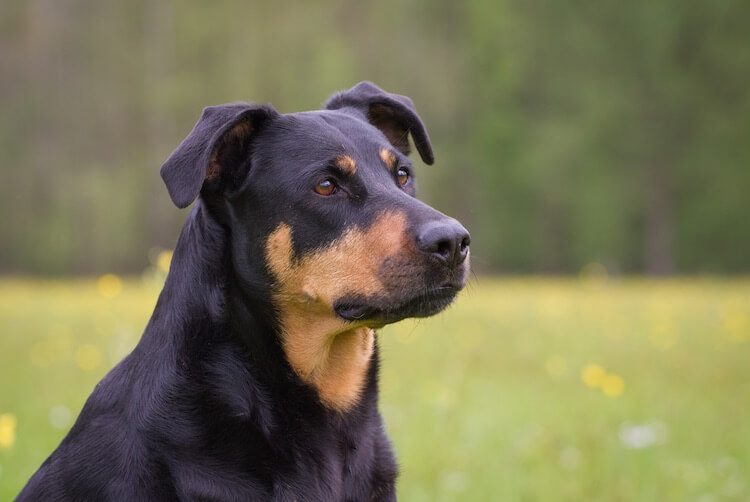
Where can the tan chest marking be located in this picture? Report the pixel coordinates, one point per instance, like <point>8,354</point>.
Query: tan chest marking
<point>328,353</point>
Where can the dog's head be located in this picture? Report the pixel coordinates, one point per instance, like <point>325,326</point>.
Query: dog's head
<point>322,204</point>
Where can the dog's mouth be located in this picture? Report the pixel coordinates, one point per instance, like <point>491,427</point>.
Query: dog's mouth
<point>379,312</point>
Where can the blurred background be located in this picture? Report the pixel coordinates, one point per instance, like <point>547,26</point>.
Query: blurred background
<point>565,133</point>
<point>581,143</point>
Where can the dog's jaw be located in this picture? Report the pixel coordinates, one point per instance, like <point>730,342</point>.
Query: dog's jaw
<point>327,352</point>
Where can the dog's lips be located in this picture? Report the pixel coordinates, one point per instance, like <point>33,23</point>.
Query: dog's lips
<point>378,313</point>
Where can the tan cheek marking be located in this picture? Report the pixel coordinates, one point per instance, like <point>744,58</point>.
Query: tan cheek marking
<point>328,353</point>
<point>346,164</point>
<point>388,158</point>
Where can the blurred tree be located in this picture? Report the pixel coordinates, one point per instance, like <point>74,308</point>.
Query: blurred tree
<point>565,133</point>
<point>601,115</point>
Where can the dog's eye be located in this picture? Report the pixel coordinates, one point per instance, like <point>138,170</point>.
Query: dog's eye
<point>326,187</point>
<point>403,176</point>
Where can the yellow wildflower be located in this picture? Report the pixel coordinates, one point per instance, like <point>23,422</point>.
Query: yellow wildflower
<point>109,285</point>
<point>8,424</point>
<point>612,385</point>
<point>164,260</point>
<point>593,375</point>
<point>737,325</point>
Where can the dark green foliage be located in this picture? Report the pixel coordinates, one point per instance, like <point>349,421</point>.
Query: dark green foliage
<point>565,133</point>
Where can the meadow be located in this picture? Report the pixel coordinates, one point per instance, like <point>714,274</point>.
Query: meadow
<point>587,388</point>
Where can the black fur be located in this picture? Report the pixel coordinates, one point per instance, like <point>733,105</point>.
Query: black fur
<point>206,407</point>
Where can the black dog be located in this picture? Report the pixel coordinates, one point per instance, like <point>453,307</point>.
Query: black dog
<point>256,377</point>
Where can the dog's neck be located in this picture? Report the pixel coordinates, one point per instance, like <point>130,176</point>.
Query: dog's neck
<point>193,288</point>
<point>333,360</point>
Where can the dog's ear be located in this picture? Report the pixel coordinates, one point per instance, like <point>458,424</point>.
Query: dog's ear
<point>216,149</point>
<point>393,114</point>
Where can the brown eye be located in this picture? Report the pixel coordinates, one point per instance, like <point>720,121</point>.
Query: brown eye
<point>403,177</point>
<point>325,187</point>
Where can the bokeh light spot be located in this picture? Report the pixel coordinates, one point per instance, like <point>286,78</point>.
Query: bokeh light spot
<point>612,385</point>
<point>8,423</point>
<point>737,326</point>
<point>59,416</point>
<point>640,436</point>
<point>163,260</point>
<point>109,285</point>
<point>88,357</point>
<point>593,375</point>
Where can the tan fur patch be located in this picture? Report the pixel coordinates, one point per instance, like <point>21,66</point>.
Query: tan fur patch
<point>328,353</point>
<point>346,164</point>
<point>214,169</point>
<point>388,158</point>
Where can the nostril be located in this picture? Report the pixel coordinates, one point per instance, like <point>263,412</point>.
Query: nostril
<point>444,248</point>
<point>463,249</point>
<point>465,244</point>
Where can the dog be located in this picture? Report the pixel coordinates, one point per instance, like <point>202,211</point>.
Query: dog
<point>256,376</point>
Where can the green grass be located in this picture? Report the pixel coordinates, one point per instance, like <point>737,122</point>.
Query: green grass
<point>483,402</point>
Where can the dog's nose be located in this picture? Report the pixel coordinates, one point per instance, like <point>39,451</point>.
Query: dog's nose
<point>447,240</point>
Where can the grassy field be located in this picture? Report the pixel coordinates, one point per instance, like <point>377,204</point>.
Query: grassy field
<point>526,389</point>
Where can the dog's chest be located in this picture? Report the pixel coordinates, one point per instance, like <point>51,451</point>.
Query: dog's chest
<point>325,464</point>
<point>338,465</point>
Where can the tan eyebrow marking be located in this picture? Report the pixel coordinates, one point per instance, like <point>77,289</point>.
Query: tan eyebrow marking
<point>388,158</point>
<point>346,164</point>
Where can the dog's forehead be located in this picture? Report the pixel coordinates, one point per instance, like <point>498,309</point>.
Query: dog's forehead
<point>319,136</point>
<point>339,123</point>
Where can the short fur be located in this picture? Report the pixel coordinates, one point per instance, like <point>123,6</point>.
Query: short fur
<point>256,377</point>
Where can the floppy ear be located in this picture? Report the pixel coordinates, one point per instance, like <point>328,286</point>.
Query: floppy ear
<point>216,149</point>
<point>393,114</point>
